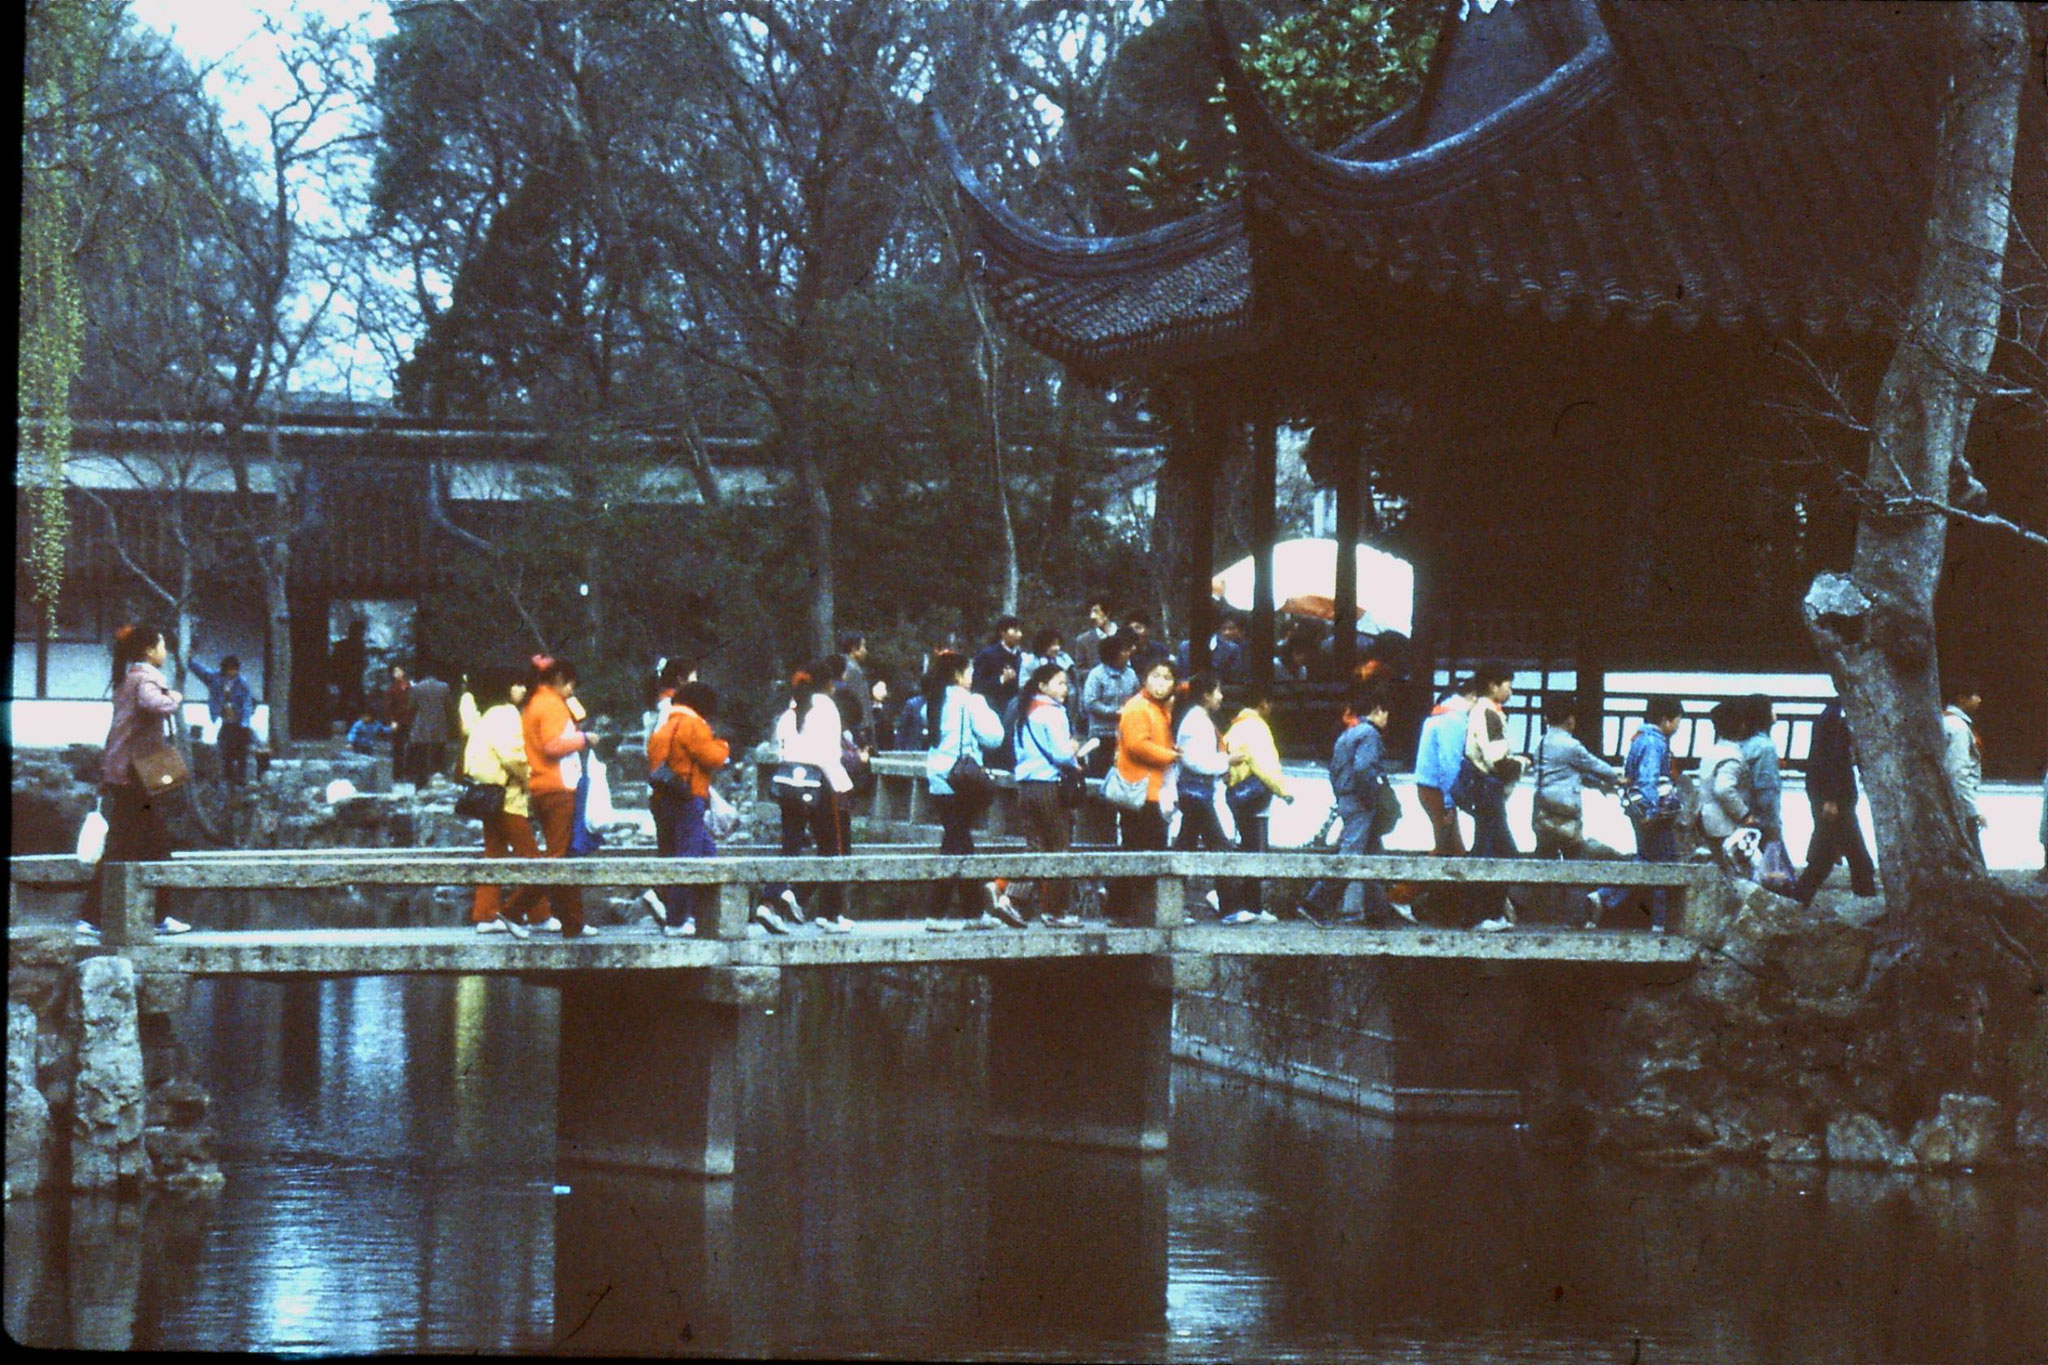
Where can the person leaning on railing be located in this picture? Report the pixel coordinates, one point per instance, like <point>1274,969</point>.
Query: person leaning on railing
<point>1252,784</point>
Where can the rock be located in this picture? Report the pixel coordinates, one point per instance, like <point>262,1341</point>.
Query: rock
<point>2030,1133</point>
<point>107,1108</point>
<point>175,1149</point>
<point>1797,1148</point>
<point>1964,1133</point>
<point>180,1103</point>
<point>1861,1140</point>
<point>28,1113</point>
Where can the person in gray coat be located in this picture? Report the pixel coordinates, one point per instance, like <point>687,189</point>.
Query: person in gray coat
<point>433,720</point>
<point>1110,684</point>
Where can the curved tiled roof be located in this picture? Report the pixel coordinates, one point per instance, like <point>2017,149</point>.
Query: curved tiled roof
<point>1175,295</point>
<point>1767,167</point>
<point>1763,166</point>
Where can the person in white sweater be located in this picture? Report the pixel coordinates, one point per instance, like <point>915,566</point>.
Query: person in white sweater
<point>1196,781</point>
<point>810,782</point>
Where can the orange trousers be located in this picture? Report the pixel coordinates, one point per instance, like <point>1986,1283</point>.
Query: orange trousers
<point>505,836</point>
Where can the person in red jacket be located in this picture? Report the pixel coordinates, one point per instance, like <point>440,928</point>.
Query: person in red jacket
<point>684,747</point>
<point>551,735</point>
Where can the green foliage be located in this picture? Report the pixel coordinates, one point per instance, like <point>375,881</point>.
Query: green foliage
<point>66,40</point>
<point>1330,71</point>
<point>1336,68</point>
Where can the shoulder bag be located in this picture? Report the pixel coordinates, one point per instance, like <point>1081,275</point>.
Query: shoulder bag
<point>1123,793</point>
<point>1073,786</point>
<point>161,770</point>
<point>966,777</point>
<point>477,800</point>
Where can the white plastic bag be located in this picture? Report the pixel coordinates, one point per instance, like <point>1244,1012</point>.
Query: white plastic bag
<point>719,816</point>
<point>92,838</point>
<point>572,772</point>
<point>597,803</point>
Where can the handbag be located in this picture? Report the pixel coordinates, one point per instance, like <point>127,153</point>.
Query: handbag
<point>967,778</point>
<point>161,770</point>
<point>801,783</point>
<point>1386,810</point>
<point>477,800</point>
<point>1073,786</point>
<point>1123,793</point>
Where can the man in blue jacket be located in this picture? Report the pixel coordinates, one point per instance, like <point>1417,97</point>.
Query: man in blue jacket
<point>1831,790</point>
<point>232,706</point>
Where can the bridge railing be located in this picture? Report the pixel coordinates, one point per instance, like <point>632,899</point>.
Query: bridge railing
<point>1160,880</point>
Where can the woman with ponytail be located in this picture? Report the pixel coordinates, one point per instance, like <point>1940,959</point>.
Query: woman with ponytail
<point>144,706</point>
<point>810,783</point>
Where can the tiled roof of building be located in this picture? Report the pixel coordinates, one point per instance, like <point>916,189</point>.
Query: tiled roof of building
<point>1765,167</point>
<point>1115,305</point>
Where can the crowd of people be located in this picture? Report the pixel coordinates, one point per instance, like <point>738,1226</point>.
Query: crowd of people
<point>1133,730</point>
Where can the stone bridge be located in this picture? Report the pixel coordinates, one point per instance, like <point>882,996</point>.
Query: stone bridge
<point>1083,1023</point>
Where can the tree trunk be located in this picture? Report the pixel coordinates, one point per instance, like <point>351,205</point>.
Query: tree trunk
<point>1876,624</point>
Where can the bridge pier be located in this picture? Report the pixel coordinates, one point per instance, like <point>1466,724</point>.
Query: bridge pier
<point>1080,1051</point>
<point>649,1065</point>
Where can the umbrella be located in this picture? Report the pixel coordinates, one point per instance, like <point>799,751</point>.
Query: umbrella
<point>1323,609</point>
<point>1307,569</point>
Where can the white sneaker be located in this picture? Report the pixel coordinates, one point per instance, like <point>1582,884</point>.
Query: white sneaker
<point>769,920</point>
<point>88,931</point>
<point>796,912</point>
<point>1268,917</point>
<point>492,926</point>
<point>829,924</point>
<point>655,909</point>
<point>513,927</point>
<point>1493,926</point>
<point>1405,912</point>
<point>943,926</point>
<point>1241,917</point>
<point>687,929</point>
<point>167,925</point>
<point>550,925</point>
<point>1215,904</point>
<point>587,931</point>
<point>983,921</point>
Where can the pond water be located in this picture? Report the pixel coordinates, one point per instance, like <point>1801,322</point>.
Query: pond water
<point>392,1187</point>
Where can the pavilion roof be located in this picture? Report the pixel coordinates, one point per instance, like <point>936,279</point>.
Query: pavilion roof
<point>1175,295</point>
<point>1767,167</point>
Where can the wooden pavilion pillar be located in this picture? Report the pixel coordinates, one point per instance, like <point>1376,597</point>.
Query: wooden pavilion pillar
<point>1264,491</point>
<point>1206,450</point>
<point>1350,488</point>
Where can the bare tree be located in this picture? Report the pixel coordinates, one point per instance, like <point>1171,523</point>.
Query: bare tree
<point>1876,623</point>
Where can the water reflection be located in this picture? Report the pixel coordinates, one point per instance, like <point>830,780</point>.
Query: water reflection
<point>393,1187</point>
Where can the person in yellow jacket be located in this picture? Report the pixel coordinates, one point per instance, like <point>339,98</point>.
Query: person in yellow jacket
<point>1144,753</point>
<point>1254,780</point>
<point>495,754</point>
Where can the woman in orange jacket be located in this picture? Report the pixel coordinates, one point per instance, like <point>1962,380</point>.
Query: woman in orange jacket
<point>550,732</point>
<point>1144,753</point>
<point>684,747</point>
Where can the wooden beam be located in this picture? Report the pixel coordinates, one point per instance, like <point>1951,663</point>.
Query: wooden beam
<point>1203,471</point>
<point>1264,493</point>
<point>1350,482</point>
